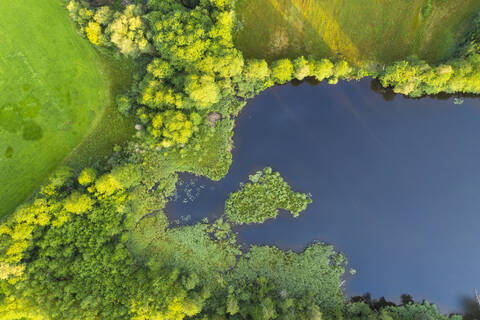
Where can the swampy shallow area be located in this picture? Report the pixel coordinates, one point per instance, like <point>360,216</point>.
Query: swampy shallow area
<point>394,183</point>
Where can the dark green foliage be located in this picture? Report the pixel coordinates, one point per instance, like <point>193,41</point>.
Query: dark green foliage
<point>471,43</point>
<point>427,9</point>
<point>407,311</point>
<point>296,275</point>
<point>414,311</point>
<point>74,268</point>
<point>124,104</point>
<point>76,265</point>
<point>260,299</point>
<point>262,197</point>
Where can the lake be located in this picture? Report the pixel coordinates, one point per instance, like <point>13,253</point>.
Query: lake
<point>395,184</point>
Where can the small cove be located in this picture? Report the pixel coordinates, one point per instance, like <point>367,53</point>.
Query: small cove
<point>394,183</point>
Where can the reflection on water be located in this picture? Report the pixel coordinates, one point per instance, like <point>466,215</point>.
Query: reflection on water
<point>394,183</point>
<point>387,93</point>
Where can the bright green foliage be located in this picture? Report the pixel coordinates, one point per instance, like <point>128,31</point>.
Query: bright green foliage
<point>202,90</point>
<point>87,176</point>
<point>79,13</point>
<point>401,75</point>
<point>196,67</point>
<point>59,177</point>
<point>322,69</point>
<point>256,70</point>
<point>127,175</point>
<point>158,96</point>
<point>93,30</point>
<point>207,153</point>
<point>103,15</point>
<point>119,179</point>
<point>78,203</point>
<point>256,75</point>
<point>261,198</point>
<point>88,22</point>
<point>181,36</point>
<point>127,31</point>
<point>301,68</point>
<point>175,127</point>
<point>160,69</point>
<point>282,71</point>
<point>342,69</point>
<point>416,78</point>
<point>107,185</point>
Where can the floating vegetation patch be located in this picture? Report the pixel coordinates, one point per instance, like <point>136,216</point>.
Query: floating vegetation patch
<point>188,191</point>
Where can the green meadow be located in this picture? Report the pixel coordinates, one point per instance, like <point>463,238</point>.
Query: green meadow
<point>379,31</point>
<point>56,94</point>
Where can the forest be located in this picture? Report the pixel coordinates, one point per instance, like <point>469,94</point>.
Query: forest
<point>95,242</point>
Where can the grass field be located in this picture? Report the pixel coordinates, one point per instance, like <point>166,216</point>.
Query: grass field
<point>56,94</point>
<point>359,30</point>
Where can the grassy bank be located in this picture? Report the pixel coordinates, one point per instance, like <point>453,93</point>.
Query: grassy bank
<point>113,128</point>
<point>56,91</point>
<point>358,30</point>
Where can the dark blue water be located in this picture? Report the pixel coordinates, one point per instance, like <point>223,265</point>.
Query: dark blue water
<point>395,184</point>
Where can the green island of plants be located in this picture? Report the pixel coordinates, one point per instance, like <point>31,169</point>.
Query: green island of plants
<point>94,242</point>
<point>262,197</point>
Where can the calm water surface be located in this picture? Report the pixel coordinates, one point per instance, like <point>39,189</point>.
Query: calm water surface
<point>395,184</point>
